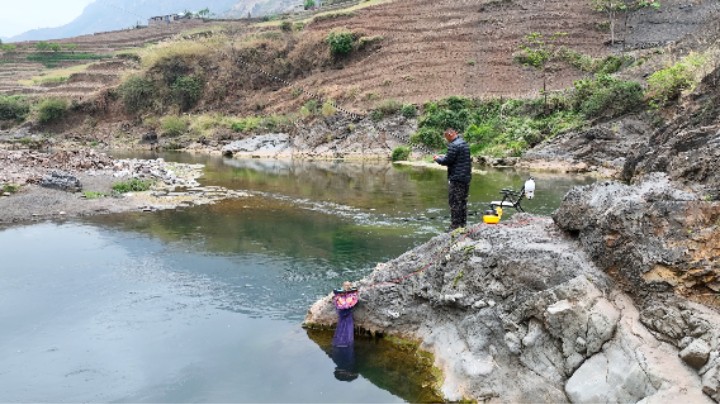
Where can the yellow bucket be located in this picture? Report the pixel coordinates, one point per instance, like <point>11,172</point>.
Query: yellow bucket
<point>491,219</point>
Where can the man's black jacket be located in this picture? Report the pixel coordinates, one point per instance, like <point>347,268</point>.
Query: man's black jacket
<point>458,161</point>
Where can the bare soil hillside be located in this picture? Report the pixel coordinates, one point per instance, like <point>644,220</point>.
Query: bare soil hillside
<point>434,49</point>
<point>421,50</point>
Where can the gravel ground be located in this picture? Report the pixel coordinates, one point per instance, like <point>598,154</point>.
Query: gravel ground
<point>97,173</point>
<point>35,203</point>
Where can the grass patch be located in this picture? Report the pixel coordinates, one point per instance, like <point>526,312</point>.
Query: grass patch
<point>607,97</point>
<point>55,59</point>
<point>204,31</point>
<point>332,16</point>
<point>608,65</point>
<point>55,76</point>
<point>173,126</point>
<point>137,94</point>
<point>386,108</point>
<point>93,195</point>
<point>10,188</point>
<point>132,185</point>
<point>154,55</point>
<point>366,41</point>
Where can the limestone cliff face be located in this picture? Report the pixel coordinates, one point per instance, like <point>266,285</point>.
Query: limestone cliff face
<point>520,312</point>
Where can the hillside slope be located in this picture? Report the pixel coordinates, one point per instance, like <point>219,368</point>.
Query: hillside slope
<point>404,51</point>
<point>435,49</point>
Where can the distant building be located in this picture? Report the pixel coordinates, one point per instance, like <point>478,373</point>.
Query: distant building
<point>163,19</point>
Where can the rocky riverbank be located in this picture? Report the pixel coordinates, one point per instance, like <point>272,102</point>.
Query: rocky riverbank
<point>40,186</point>
<point>615,300</point>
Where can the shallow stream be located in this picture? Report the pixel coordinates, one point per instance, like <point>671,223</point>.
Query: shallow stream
<point>204,304</point>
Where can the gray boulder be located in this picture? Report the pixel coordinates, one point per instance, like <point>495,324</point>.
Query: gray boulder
<point>62,181</point>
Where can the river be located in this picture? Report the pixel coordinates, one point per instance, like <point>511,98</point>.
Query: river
<point>204,304</point>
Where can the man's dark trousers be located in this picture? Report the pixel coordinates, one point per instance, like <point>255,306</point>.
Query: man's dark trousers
<point>458,197</point>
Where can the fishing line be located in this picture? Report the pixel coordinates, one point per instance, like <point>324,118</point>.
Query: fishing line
<point>251,69</point>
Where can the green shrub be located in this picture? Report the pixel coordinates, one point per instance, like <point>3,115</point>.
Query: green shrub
<point>173,126</point>
<point>249,124</point>
<point>401,153</point>
<point>429,137</point>
<point>409,111</point>
<point>286,26</point>
<point>13,107</point>
<point>308,4</point>
<point>137,94</point>
<point>496,128</point>
<point>132,185</point>
<point>376,115</point>
<point>667,84</point>
<point>341,42</point>
<point>453,112</point>
<point>610,65</point>
<point>186,91</point>
<point>328,108</point>
<point>310,108</point>
<point>51,110</point>
<point>607,97</point>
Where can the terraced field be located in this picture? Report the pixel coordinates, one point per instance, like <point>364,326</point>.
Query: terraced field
<point>433,49</point>
<point>427,50</point>
<point>91,63</point>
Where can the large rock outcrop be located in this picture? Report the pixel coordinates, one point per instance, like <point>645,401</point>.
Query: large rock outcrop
<point>334,136</point>
<point>520,312</point>
<point>661,244</point>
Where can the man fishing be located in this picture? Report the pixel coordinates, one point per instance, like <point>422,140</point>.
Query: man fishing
<point>459,169</point>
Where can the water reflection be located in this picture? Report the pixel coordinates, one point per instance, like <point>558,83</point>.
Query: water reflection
<point>402,371</point>
<point>344,358</point>
<point>211,297</point>
<point>277,259</point>
<point>376,190</point>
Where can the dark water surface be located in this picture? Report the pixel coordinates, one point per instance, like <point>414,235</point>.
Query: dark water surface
<point>205,304</point>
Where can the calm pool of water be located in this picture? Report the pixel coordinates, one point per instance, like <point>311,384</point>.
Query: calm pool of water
<point>205,304</point>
